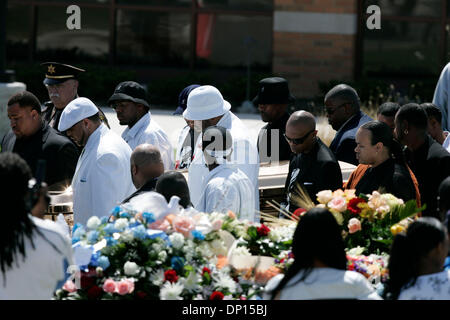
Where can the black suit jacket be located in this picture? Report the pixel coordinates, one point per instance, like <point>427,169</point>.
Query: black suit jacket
<point>147,187</point>
<point>430,164</point>
<point>316,171</point>
<point>265,147</point>
<point>59,152</point>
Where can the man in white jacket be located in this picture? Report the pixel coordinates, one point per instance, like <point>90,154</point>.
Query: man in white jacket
<point>102,177</point>
<point>226,187</point>
<point>206,107</point>
<point>441,96</point>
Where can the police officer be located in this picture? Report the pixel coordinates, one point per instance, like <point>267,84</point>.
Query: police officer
<point>61,81</point>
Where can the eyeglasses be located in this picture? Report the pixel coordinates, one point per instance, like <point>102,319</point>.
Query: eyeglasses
<point>298,140</point>
<point>330,112</point>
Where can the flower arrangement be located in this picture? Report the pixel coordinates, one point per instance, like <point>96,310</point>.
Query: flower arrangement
<point>373,267</point>
<point>368,221</point>
<point>134,256</point>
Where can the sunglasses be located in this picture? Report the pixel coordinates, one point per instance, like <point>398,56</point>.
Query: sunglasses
<point>298,140</point>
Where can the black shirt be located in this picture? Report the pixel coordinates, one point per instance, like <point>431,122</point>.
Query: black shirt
<point>391,177</point>
<point>430,164</point>
<point>264,141</point>
<point>316,171</point>
<point>147,187</point>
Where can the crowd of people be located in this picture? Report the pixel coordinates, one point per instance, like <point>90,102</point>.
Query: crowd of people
<point>405,151</point>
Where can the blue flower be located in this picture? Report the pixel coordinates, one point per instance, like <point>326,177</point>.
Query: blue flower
<point>197,235</point>
<point>75,240</point>
<point>94,259</point>
<point>177,263</point>
<point>104,219</point>
<point>139,232</point>
<point>76,226</point>
<point>110,241</point>
<point>135,224</point>
<point>148,217</point>
<point>103,262</point>
<point>79,232</point>
<point>124,214</point>
<point>110,229</point>
<point>115,211</point>
<point>154,234</point>
<point>92,236</point>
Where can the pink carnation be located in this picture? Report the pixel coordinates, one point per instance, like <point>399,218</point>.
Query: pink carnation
<point>162,225</point>
<point>217,224</point>
<point>109,286</point>
<point>124,287</point>
<point>183,225</point>
<point>339,204</point>
<point>69,286</point>
<point>354,225</point>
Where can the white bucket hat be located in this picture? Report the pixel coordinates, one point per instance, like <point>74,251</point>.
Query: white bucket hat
<point>77,110</point>
<point>204,103</point>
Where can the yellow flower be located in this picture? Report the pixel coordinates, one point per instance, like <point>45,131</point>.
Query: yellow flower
<point>397,228</point>
<point>349,194</point>
<point>338,193</point>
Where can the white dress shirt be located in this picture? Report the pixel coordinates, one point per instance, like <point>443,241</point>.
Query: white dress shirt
<point>147,130</point>
<point>324,283</point>
<point>102,178</point>
<point>244,155</point>
<point>435,286</point>
<point>228,188</point>
<point>44,268</point>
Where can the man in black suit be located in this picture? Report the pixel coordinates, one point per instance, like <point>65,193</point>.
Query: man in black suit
<point>146,166</point>
<point>429,161</point>
<point>272,100</point>
<point>314,167</point>
<point>33,139</point>
<point>342,105</point>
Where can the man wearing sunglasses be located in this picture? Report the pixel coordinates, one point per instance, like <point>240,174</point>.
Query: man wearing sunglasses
<point>314,167</point>
<point>342,105</point>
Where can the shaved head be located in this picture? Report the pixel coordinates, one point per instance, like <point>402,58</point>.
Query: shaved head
<point>303,119</point>
<point>301,132</point>
<point>146,164</point>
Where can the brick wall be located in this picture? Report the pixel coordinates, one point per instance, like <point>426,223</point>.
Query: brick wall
<point>316,45</point>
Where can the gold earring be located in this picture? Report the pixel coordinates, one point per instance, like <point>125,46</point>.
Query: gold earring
<point>406,131</point>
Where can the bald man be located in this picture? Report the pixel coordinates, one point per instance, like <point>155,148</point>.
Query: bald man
<point>146,166</point>
<point>313,166</point>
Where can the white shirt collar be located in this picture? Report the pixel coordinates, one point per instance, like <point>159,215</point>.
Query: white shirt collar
<point>224,120</point>
<point>446,143</point>
<point>142,123</point>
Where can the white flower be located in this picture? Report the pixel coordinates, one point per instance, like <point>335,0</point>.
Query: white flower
<point>156,247</point>
<point>93,222</point>
<point>225,282</point>
<point>121,224</point>
<point>204,250</point>
<point>171,291</point>
<point>127,236</point>
<point>157,278</point>
<point>218,247</point>
<point>130,268</point>
<point>241,251</point>
<point>177,240</point>
<point>191,283</point>
<point>324,196</point>
<point>162,255</point>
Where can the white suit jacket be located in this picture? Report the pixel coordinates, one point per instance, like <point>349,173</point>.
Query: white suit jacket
<point>228,188</point>
<point>102,178</point>
<point>147,130</point>
<point>441,98</point>
<point>244,155</point>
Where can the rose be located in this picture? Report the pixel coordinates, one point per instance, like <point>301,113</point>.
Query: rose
<point>216,295</point>
<point>231,214</point>
<point>354,225</point>
<point>131,268</point>
<point>124,287</point>
<point>69,286</point>
<point>171,276</point>
<point>109,286</point>
<point>93,222</point>
<point>324,196</point>
<point>338,204</point>
<point>217,224</point>
<point>206,270</point>
<point>162,225</point>
<point>353,207</point>
<point>94,292</point>
<point>263,230</point>
<point>183,225</point>
<point>299,212</point>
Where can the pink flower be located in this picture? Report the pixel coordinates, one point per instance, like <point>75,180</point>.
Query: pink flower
<point>109,286</point>
<point>124,287</point>
<point>231,214</point>
<point>338,204</point>
<point>162,225</point>
<point>217,224</point>
<point>183,225</point>
<point>69,286</point>
<point>354,225</point>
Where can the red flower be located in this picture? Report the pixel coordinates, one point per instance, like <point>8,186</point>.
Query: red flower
<point>263,230</point>
<point>299,212</point>
<point>352,205</point>
<point>88,278</point>
<point>171,276</point>
<point>141,295</point>
<point>216,295</point>
<point>207,270</point>
<point>94,292</point>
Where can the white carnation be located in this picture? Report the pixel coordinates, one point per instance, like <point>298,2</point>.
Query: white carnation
<point>225,282</point>
<point>171,291</point>
<point>121,224</point>
<point>162,255</point>
<point>191,283</point>
<point>157,278</point>
<point>177,240</point>
<point>93,223</point>
<point>131,268</point>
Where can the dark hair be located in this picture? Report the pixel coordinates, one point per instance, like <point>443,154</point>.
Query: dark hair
<point>25,99</point>
<point>407,252</point>
<point>414,115</point>
<point>388,109</point>
<point>173,183</point>
<point>216,137</point>
<point>14,176</point>
<point>317,236</point>
<point>95,118</point>
<point>344,93</point>
<point>432,111</point>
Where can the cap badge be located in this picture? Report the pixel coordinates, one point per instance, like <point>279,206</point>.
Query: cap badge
<point>51,69</point>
